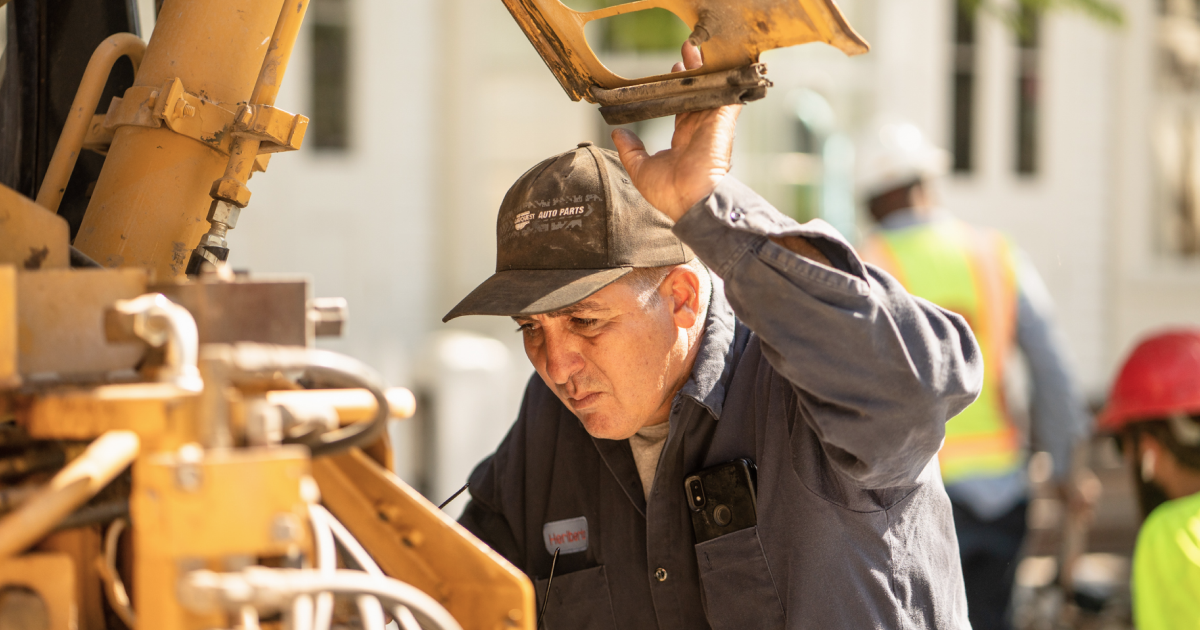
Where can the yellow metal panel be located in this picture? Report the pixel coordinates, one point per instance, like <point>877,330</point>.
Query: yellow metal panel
<point>9,376</point>
<point>52,576</point>
<point>230,502</point>
<point>60,316</point>
<point>414,541</point>
<point>84,547</point>
<point>31,237</point>
<point>198,513</point>
<point>161,413</point>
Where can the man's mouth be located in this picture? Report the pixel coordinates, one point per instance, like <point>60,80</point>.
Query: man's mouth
<point>583,401</point>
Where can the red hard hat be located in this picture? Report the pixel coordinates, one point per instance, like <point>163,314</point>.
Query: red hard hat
<point>1160,378</point>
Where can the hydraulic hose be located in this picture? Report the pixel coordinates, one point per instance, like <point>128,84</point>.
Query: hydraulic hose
<point>274,589</point>
<point>321,368</point>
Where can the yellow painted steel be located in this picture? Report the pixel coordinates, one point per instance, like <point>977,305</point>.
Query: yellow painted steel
<point>245,148</point>
<point>198,120</point>
<point>414,541</point>
<point>200,509</point>
<point>163,414</point>
<point>149,206</point>
<point>87,97</point>
<point>31,236</point>
<point>53,577</point>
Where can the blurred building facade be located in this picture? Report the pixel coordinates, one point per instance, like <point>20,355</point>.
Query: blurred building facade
<point>425,111</point>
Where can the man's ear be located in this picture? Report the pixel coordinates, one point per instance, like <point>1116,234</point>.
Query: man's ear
<point>681,290</point>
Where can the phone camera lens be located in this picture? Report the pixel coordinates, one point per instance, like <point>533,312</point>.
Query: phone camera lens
<point>696,494</point>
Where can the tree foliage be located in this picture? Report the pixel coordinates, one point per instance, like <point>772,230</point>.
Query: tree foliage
<point>1021,15</point>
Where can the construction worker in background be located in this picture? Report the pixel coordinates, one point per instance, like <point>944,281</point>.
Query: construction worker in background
<point>1154,407</point>
<point>979,274</point>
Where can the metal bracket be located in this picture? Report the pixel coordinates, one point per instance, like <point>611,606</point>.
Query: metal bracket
<point>675,96</point>
<point>196,117</point>
<point>732,36</point>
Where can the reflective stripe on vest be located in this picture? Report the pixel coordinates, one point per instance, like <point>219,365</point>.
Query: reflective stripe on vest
<point>971,272</point>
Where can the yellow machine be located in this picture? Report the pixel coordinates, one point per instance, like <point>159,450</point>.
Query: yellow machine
<point>214,459</point>
<point>174,453</point>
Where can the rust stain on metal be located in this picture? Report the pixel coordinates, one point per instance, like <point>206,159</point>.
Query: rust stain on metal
<point>36,257</point>
<point>733,36</point>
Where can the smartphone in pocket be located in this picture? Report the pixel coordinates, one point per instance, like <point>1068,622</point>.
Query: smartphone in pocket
<point>722,499</point>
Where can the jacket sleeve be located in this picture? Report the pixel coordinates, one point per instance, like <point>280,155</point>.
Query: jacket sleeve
<point>485,519</point>
<point>1057,414</point>
<point>877,371</point>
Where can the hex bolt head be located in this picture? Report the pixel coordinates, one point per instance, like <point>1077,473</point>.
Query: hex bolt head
<point>245,115</point>
<point>230,190</point>
<point>328,316</point>
<point>224,212</point>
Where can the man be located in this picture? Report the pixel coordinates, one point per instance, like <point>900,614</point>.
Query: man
<point>980,275</point>
<point>830,377</point>
<point>1154,409</point>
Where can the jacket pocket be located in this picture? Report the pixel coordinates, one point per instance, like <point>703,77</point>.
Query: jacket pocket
<point>578,600</point>
<point>737,585</point>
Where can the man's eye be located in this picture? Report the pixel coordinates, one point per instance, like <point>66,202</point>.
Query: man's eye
<point>584,323</point>
<point>526,328</point>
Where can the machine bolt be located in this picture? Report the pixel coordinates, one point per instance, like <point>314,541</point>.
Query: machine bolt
<point>285,528</point>
<point>245,115</point>
<point>224,212</point>
<point>188,111</point>
<point>188,475</point>
<point>328,316</point>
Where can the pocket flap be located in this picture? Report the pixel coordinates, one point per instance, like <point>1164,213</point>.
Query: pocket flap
<point>738,589</point>
<point>578,600</point>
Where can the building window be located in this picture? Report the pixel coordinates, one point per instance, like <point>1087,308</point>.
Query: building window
<point>329,128</point>
<point>963,85</point>
<point>1028,89</point>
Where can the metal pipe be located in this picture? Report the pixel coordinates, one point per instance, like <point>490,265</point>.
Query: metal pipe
<point>87,98</point>
<point>73,486</point>
<point>231,188</point>
<point>150,202</point>
<point>162,323</point>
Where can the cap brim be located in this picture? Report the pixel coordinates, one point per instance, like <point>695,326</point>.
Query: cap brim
<point>533,291</point>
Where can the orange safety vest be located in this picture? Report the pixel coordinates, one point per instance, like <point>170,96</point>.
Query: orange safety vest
<point>969,271</point>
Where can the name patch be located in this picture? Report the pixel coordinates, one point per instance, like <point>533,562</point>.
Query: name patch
<point>570,535</point>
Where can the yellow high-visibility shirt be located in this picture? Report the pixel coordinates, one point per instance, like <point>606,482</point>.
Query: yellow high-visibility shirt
<point>1166,567</point>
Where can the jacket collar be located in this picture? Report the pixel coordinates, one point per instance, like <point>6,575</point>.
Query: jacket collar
<point>717,354</point>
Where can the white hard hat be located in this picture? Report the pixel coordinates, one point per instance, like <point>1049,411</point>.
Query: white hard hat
<point>895,153</point>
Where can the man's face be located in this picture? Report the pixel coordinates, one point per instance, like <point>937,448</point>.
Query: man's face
<point>614,362</point>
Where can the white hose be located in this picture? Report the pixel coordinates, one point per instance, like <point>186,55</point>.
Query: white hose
<point>114,589</point>
<point>326,563</point>
<point>404,617</point>
<point>273,589</point>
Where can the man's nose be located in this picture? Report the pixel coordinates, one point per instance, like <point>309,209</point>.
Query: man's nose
<point>562,357</point>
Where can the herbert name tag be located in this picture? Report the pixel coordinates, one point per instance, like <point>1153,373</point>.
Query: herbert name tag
<point>571,535</point>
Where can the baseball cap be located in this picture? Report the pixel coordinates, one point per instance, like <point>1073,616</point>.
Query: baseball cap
<point>567,228</point>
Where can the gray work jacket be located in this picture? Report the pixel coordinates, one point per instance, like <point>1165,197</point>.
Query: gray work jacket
<point>837,383</point>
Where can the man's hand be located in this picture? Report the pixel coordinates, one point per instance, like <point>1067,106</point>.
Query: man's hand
<point>701,150</point>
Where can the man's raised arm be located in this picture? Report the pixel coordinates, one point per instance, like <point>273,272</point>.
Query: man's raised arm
<point>878,372</point>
